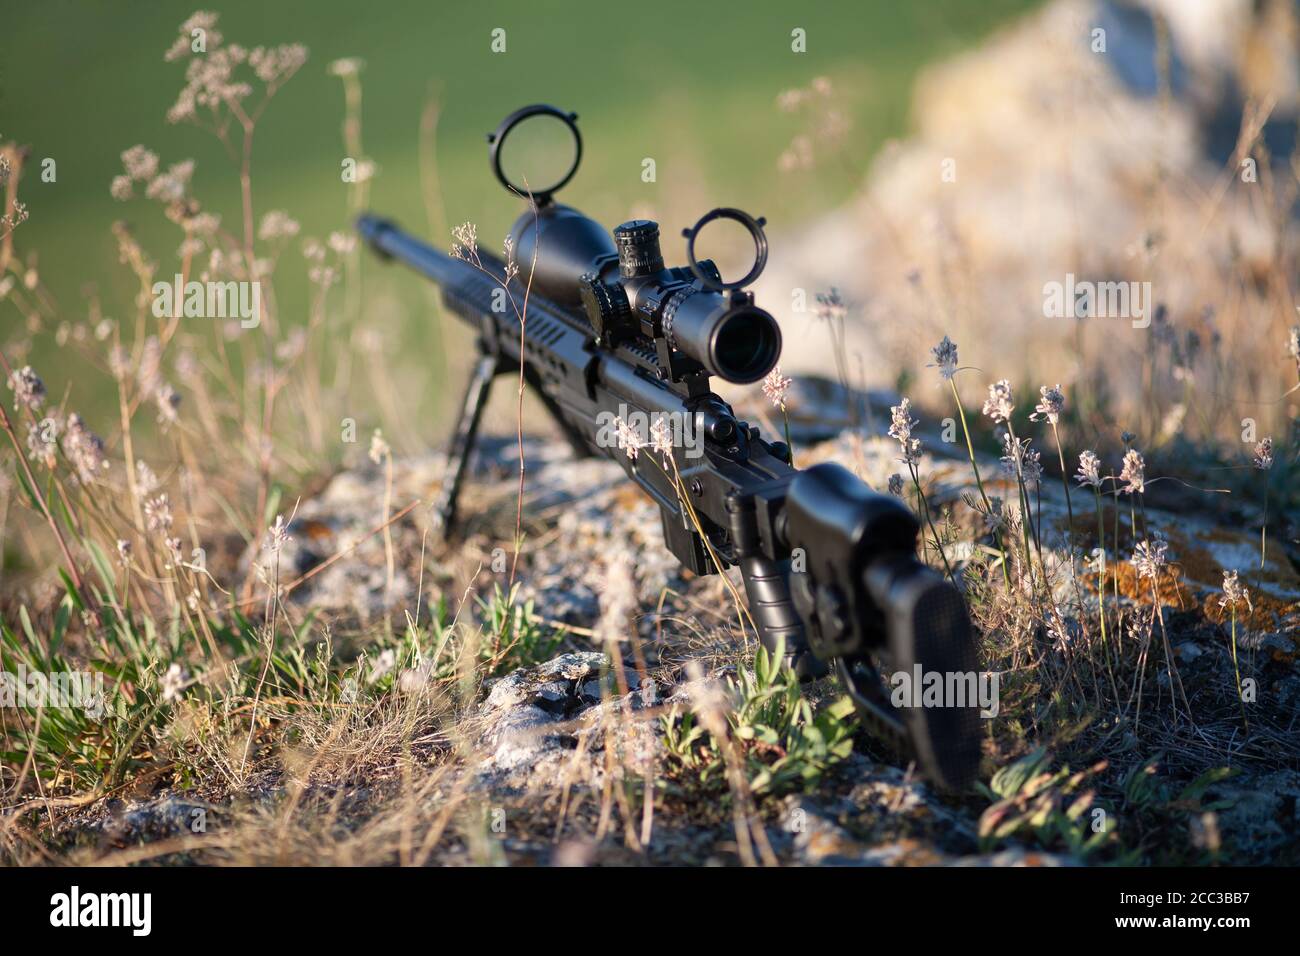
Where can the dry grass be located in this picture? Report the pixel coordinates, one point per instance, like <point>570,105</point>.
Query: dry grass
<point>154,556</point>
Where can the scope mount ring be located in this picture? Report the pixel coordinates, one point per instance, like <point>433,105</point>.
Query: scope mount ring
<point>755,228</point>
<point>498,137</point>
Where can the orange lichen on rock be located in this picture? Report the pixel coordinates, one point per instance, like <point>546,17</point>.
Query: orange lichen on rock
<point>1170,587</point>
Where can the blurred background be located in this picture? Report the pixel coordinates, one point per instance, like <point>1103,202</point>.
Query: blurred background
<point>938,163</point>
<point>693,86</point>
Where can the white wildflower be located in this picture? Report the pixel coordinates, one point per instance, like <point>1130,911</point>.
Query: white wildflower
<point>1149,557</point>
<point>277,225</point>
<point>158,513</point>
<point>775,387</point>
<point>1133,474</point>
<point>1051,405</point>
<point>1088,474</point>
<point>628,440</point>
<point>172,683</point>
<point>345,66</point>
<point>141,164</point>
<point>342,242</point>
<point>1000,403</point>
<point>146,481</point>
<point>42,441</point>
<point>901,422</point>
<point>85,450</point>
<point>1234,592</point>
<point>465,245</point>
<point>277,536</point>
<point>661,437</point>
<point>120,188</point>
<point>945,358</point>
<point>1020,460</point>
<point>28,389</point>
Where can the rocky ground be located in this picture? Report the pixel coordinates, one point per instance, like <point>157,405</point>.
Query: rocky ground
<point>539,740</point>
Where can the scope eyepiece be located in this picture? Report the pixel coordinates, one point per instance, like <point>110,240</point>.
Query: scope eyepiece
<point>734,340</point>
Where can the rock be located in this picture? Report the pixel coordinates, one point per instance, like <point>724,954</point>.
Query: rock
<point>553,697</point>
<point>341,520</point>
<point>589,500</point>
<point>820,841</point>
<point>540,727</point>
<point>545,727</point>
<point>169,815</point>
<point>1263,812</point>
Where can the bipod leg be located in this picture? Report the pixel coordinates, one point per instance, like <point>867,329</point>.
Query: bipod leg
<point>462,443</point>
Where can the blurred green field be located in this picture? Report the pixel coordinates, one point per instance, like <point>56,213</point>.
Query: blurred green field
<point>692,85</point>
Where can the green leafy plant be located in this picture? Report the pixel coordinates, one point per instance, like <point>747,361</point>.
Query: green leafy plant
<point>513,634</point>
<point>1048,807</point>
<point>787,745</point>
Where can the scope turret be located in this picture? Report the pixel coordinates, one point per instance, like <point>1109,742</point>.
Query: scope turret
<point>638,248</point>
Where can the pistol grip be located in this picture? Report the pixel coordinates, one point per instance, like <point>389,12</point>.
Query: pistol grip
<point>767,586</point>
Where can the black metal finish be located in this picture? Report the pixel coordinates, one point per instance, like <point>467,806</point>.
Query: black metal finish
<point>767,586</point>
<point>496,139</point>
<point>462,443</point>
<point>829,566</point>
<point>755,228</point>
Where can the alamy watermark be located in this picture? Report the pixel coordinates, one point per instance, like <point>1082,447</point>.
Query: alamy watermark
<point>209,300</point>
<point>54,691</point>
<point>631,428</point>
<point>1072,299</point>
<point>922,688</point>
<point>75,908</point>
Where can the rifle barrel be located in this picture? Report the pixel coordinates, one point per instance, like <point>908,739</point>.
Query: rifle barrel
<point>389,240</point>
